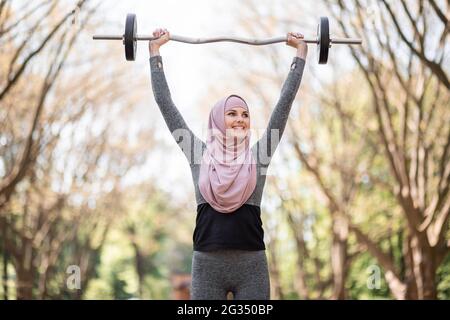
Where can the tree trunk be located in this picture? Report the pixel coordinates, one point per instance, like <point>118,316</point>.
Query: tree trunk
<point>24,284</point>
<point>424,267</point>
<point>339,257</point>
<point>140,268</point>
<point>277,291</point>
<point>302,254</point>
<point>5,264</point>
<point>420,269</point>
<point>302,289</point>
<point>5,274</point>
<point>25,272</point>
<point>408,272</point>
<point>43,293</point>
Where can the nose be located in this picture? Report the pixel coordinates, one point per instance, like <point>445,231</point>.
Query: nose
<point>239,121</point>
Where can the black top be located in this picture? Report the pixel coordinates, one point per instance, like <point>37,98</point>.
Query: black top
<point>241,229</point>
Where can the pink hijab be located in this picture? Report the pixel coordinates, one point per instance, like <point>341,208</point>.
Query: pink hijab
<point>228,171</point>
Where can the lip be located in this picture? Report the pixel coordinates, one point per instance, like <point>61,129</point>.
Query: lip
<point>238,127</point>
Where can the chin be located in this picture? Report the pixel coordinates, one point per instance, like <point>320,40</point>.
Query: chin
<point>240,133</point>
<point>237,132</point>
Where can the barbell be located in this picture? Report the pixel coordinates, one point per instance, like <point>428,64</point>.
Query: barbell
<point>323,40</point>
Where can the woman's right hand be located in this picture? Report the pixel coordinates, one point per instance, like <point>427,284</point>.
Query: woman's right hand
<point>163,36</point>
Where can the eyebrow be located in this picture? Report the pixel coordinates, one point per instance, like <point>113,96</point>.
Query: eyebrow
<point>245,111</point>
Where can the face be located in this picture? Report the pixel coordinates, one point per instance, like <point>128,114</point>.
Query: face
<point>237,121</point>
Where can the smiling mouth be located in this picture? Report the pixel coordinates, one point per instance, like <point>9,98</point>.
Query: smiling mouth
<point>238,127</point>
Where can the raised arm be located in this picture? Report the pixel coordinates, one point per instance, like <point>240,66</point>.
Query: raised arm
<point>268,143</point>
<point>184,136</point>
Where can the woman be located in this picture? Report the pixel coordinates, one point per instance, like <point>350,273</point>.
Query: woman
<point>229,177</point>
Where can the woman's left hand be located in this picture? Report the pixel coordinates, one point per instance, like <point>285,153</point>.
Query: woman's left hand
<point>295,40</point>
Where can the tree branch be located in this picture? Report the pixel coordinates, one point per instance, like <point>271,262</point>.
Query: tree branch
<point>11,82</point>
<point>434,67</point>
<point>440,14</point>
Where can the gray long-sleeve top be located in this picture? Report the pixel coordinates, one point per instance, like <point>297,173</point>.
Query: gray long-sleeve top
<point>193,147</point>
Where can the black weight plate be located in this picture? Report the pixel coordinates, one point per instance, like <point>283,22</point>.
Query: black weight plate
<point>323,35</point>
<point>129,37</point>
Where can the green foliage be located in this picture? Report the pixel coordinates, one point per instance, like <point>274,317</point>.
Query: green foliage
<point>141,253</point>
<point>443,279</point>
<point>359,279</point>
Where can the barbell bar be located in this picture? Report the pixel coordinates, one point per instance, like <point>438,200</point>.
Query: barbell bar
<point>323,40</point>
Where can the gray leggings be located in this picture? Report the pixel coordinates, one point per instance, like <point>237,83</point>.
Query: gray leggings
<point>244,273</point>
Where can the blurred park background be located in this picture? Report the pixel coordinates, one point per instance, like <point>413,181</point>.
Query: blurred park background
<point>356,204</point>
